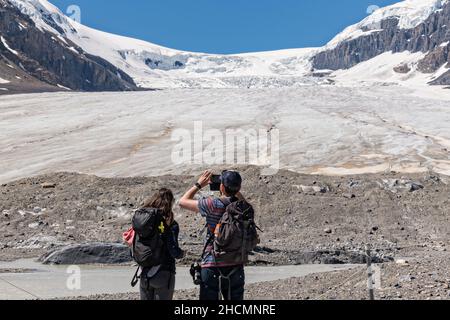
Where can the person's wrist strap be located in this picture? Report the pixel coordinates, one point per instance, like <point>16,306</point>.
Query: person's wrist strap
<point>199,187</point>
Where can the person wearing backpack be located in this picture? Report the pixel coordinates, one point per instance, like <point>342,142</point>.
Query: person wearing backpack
<point>155,246</point>
<point>231,236</point>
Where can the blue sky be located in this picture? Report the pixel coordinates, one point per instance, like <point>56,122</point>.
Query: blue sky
<point>224,26</point>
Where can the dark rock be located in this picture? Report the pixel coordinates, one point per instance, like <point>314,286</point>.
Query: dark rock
<point>415,186</point>
<point>403,68</point>
<point>263,250</point>
<point>50,60</point>
<point>353,184</point>
<point>336,257</point>
<point>89,253</point>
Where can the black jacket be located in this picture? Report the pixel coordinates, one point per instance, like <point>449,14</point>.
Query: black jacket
<point>173,250</point>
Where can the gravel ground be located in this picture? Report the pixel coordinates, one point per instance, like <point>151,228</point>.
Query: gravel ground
<point>306,219</point>
<point>424,279</point>
<point>15,270</point>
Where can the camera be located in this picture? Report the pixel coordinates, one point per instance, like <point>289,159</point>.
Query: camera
<point>215,183</point>
<point>196,273</point>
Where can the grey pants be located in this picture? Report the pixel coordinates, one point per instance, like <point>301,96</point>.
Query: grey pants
<point>159,287</point>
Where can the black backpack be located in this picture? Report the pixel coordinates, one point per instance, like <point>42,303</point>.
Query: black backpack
<point>148,246</point>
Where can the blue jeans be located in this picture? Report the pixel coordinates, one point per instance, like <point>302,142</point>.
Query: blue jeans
<point>226,281</point>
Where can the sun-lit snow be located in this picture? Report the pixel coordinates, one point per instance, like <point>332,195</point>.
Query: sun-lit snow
<point>3,81</point>
<point>7,46</point>
<point>154,66</point>
<point>381,70</point>
<point>323,129</point>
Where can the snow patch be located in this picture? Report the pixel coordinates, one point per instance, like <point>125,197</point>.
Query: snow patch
<point>381,69</point>
<point>62,87</point>
<point>3,81</point>
<point>8,47</point>
<point>73,50</point>
<point>21,26</point>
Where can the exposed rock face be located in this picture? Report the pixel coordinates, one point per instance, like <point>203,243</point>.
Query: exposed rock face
<point>54,60</point>
<point>90,253</point>
<point>403,68</point>
<point>431,36</point>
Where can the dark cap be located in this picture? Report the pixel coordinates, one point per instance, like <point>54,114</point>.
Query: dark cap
<point>231,180</point>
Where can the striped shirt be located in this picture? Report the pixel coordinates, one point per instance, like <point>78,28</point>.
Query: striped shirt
<point>212,209</point>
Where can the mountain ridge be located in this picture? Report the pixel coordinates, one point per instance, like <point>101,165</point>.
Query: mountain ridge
<point>406,26</point>
<point>50,60</point>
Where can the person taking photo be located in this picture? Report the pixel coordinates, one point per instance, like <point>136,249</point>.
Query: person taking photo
<point>231,235</point>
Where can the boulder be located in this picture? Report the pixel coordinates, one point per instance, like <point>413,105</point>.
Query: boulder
<point>312,189</point>
<point>396,185</point>
<point>402,261</point>
<point>88,253</point>
<point>48,185</point>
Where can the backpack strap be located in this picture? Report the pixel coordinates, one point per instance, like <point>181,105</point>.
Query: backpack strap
<point>210,239</point>
<point>136,278</point>
<point>227,277</point>
<point>232,200</point>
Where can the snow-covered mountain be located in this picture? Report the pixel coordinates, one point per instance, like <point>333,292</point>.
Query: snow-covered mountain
<point>409,13</point>
<point>405,42</point>
<point>35,56</point>
<point>153,66</point>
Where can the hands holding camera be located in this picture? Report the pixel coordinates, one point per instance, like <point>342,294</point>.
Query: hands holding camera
<point>205,178</point>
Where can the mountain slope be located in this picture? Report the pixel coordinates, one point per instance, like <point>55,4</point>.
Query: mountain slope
<point>27,51</point>
<point>153,66</point>
<point>410,26</point>
<point>415,28</point>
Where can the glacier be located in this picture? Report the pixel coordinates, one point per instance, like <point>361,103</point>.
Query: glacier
<point>157,67</point>
<point>331,130</point>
